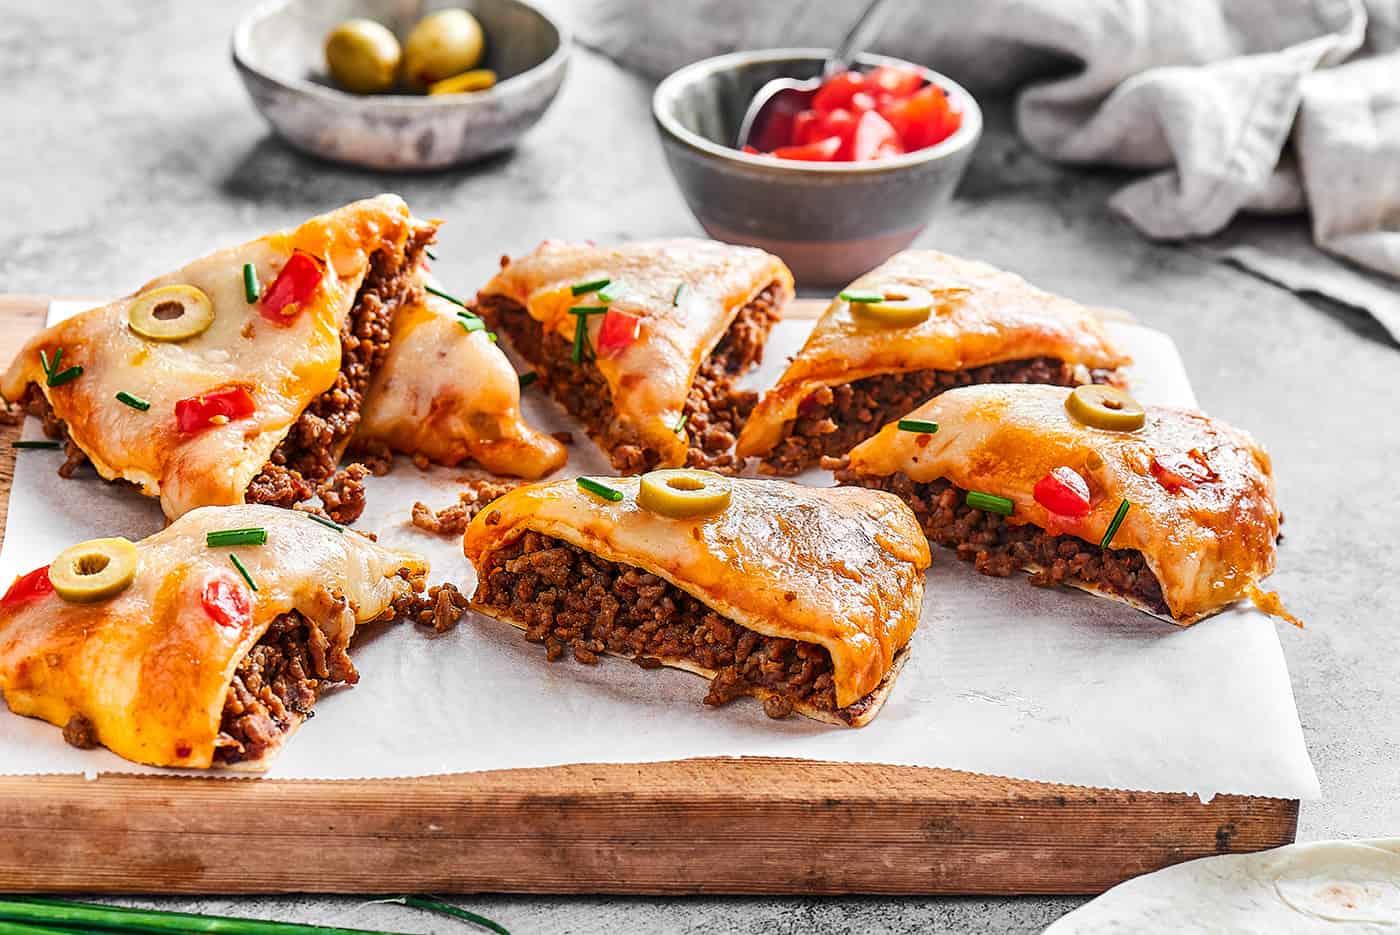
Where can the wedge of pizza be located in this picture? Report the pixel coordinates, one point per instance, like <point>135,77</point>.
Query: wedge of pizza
<point>922,323</point>
<point>803,597</point>
<point>1167,510</point>
<point>643,342</point>
<point>447,393</point>
<point>206,644</point>
<point>239,377</point>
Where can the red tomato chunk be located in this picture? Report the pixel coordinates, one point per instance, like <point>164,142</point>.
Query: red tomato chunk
<point>226,602</point>
<point>858,116</point>
<point>1063,492</point>
<point>26,587</point>
<point>217,408</point>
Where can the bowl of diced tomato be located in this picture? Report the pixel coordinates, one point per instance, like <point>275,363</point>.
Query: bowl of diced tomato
<point>833,187</point>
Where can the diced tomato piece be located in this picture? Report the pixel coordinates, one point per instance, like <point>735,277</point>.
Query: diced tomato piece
<point>872,133</point>
<point>618,331</point>
<point>219,407</point>
<point>837,91</point>
<point>861,102</point>
<point>806,128</point>
<point>820,151</point>
<point>928,119</point>
<point>292,289</point>
<point>27,587</point>
<point>894,80</point>
<point>1063,492</point>
<point>226,601</point>
<point>752,151</point>
<point>1176,470</point>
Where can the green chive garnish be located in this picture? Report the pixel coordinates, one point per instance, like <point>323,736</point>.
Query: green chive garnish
<point>527,378</point>
<point>66,376</point>
<point>252,535</point>
<point>583,311</point>
<point>680,423</point>
<point>237,563</point>
<point>598,489</point>
<point>251,289</point>
<point>491,336</point>
<point>581,328</point>
<point>445,295</point>
<point>1113,526</point>
<point>135,402</point>
<point>583,288</point>
<point>610,292</point>
<point>918,425</point>
<point>471,324</point>
<point>989,502</point>
<point>676,296</point>
<point>328,523</point>
<point>864,296</point>
<point>52,446</point>
<point>447,909</point>
<point>431,254</point>
<point>47,364</point>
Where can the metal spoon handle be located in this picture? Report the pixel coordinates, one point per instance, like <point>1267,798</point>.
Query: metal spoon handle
<point>861,32</point>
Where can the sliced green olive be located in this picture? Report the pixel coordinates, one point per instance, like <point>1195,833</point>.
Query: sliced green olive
<point>171,313</point>
<point>683,493</point>
<point>1105,407</point>
<point>93,570</point>
<point>901,305</point>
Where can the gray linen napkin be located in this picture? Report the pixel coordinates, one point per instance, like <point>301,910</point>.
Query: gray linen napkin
<point>1230,106</point>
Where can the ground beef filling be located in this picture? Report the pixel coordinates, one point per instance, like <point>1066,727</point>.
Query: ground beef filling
<point>579,604</point>
<point>714,411</point>
<point>307,458</point>
<point>998,547</point>
<point>834,419</point>
<point>37,405</point>
<point>276,684</point>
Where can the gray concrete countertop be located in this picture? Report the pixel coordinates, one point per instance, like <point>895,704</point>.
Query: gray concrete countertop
<point>129,147</point>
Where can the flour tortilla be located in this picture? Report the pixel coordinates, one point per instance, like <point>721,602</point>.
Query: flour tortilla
<point>1336,887</point>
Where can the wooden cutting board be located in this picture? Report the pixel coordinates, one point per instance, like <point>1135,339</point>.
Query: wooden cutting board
<point>692,826</point>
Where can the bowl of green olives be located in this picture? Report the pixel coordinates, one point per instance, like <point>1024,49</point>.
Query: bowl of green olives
<point>401,84</point>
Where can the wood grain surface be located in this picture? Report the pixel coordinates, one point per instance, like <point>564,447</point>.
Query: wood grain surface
<point>754,825</point>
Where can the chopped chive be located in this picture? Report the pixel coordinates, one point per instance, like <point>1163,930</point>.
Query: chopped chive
<point>581,331</point>
<point>471,324</point>
<point>989,502</point>
<point>676,296</point>
<point>1113,526</point>
<point>66,376</point>
<point>583,288</point>
<point>680,423</point>
<point>527,378</point>
<point>328,523</point>
<point>46,363</point>
<point>491,336</point>
<point>864,296</point>
<point>431,254</point>
<point>447,909</point>
<point>583,311</point>
<point>251,289</point>
<point>611,494</point>
<point>610,292</point>
<point>135,402</point>
<point>252,535</point>
<point>918,425</point>
<point>445,295</point>
<point>237,563</point>
<point>52,446</point>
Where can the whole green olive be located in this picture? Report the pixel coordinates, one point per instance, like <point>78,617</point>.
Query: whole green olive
<point>362,56</point>
<point>444,44</point>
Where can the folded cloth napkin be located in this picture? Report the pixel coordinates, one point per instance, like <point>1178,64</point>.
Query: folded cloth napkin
<point>1265,106</point>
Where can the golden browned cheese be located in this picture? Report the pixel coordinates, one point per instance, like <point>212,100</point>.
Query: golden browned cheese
<point>981,315</point>
<point>651,379</point>
<point>839,567</point>
<point>452,396</point>
<point>283,366</point>
<point>149,667</point>
<point>1206,544</point>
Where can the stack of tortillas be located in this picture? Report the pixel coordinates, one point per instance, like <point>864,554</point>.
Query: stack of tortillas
<point>1338,887</point>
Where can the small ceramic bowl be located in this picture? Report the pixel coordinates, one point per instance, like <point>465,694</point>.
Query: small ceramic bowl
<point>829,221</point>
<point>278,50</point>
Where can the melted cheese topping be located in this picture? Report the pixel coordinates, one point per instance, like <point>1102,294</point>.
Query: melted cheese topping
<point>149,667</point>
<point>453,396</point>
<point>981,315</point>
<point>1207,545</point>
<point>284,367</point>
<point>839,567</point>
<point>651,379</point>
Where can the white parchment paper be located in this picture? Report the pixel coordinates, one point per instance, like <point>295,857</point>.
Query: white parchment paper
<point>1004,678</point>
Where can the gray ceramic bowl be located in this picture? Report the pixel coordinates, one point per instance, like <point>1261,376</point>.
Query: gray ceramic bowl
<point>830,222</point>
<point>277,49</point>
